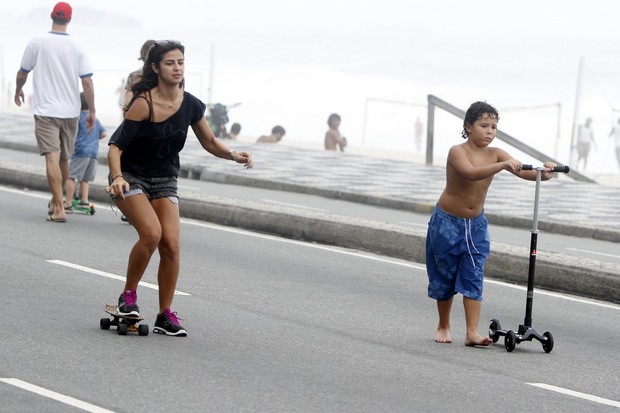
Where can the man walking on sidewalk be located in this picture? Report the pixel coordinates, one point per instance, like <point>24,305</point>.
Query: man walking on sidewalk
<point>58,62</point>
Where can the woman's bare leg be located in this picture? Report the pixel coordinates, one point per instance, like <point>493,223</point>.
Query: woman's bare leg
<point>142,216</point>
<point>169,250</point>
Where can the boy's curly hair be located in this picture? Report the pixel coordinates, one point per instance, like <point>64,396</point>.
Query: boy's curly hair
<point>475,112</point>
<point>333,116</point>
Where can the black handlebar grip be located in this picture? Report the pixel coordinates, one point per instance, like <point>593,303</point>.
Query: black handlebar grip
<point>560,168</point>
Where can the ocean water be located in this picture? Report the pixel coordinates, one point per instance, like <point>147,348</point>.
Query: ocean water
<point>378,81</point>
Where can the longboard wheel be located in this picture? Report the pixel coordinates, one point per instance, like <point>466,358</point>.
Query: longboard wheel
<point>143,330</point>
<point>105,323</point>
<point>122,329</point>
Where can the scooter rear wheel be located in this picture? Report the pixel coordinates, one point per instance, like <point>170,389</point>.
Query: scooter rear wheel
<point>493,330</point>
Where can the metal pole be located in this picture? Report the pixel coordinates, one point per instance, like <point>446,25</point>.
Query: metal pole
<point>8,103</point>
<point>529,302</point>
<point>430,131</point>
<point>557,132</point>
<point>573,145</point>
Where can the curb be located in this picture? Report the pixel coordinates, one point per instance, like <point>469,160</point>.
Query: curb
<point>190,171</point>
<point>557,272</point>
<point>199,173</point>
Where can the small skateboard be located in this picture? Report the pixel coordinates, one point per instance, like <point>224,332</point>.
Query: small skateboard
<point>123,323</point>
<point>77,208</point>
<point>82,208</point>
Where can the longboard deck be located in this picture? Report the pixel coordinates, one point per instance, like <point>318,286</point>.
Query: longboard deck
<point>113,311</point>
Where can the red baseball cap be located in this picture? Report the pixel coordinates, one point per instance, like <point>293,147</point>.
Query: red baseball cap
<point>62,10</point>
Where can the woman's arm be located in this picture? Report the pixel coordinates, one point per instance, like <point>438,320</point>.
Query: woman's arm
<point>118,186</point>
<point>216,147</point>
<point>138,111</point>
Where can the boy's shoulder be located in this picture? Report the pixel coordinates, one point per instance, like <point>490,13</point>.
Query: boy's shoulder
<point>459,147</point>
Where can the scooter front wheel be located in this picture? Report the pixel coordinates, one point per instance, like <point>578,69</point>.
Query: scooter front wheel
<point>547,345</point>
<point>510,341</point>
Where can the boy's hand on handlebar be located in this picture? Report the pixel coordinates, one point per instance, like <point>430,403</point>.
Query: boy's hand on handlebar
<point>549,171</point>
<point>512,165</point>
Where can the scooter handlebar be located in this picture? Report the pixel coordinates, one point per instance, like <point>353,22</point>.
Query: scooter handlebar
<point>560,168</point>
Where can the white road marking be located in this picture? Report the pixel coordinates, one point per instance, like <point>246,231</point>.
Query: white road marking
<point>269,201</point>
<point>595,252</point>
<point>389,260</point>
<point>26,193</point>
<point>107,274</point>
<point>413,224</point>
<point>580,395</point>
<point>189,188</point>
<point>98,206</point>
<point>556,295</point>
<point>56,396</point>
<point>303,243</point>
<point>327,248</point>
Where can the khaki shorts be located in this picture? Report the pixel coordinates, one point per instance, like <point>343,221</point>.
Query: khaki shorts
<point>55,135</point>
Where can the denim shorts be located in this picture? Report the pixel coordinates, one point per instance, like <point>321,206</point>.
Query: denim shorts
<point>153,188</point>
<point>456,250</point>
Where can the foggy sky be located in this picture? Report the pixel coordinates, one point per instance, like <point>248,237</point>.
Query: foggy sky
<point>569,18</point>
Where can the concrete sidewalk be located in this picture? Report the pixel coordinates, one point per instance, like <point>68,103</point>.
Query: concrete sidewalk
<point>383,182</point>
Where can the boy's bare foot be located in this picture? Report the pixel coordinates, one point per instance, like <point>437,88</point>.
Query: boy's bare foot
<point>477,340</point>
<point>442,335</point>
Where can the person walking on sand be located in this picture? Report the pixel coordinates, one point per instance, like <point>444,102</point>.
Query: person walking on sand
<point>333,139</point>
<point>143,157</point>
<point>419,131</point>
<point>615,134</point>
<point>585,138</point>
<point>457,241</point>
<point>235,130</point>
<point>277,133</point>
<point>57,63</point>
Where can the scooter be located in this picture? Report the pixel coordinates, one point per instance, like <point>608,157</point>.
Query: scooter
<point>526,331</point>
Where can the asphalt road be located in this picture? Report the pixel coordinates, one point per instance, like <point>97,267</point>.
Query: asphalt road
<point>587,248</point>
<point>274,325</point>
